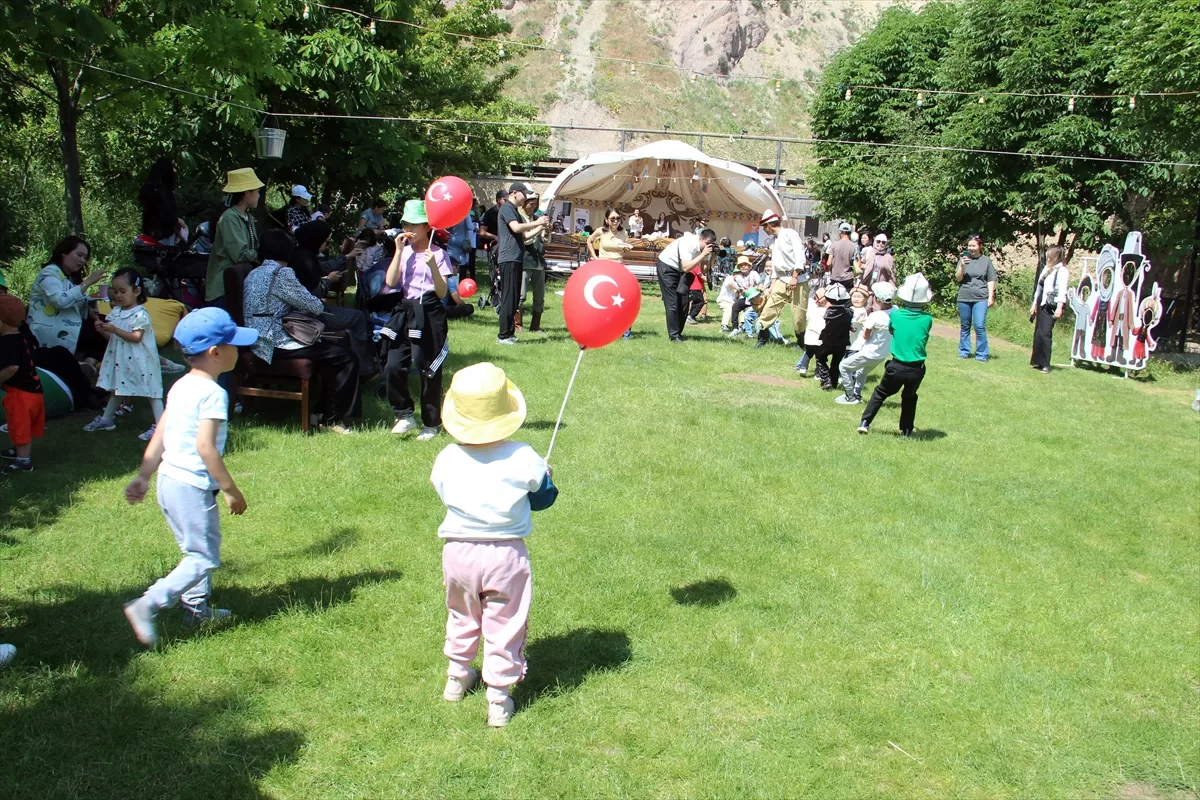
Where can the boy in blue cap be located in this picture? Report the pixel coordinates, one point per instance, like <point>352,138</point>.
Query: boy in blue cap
<point>186,451</point>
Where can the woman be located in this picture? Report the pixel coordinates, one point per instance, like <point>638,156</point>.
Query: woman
<point>58,302</point>
<point>160,216</point>
<point>1048,299</point>
<point>976,276</point>
<point>236,239</point>
<point>272,291</point>
<point>610,242</point>
<point>662,228</point>
<point>881,267</point>
<point>419,269</point>
<point>318,276</point>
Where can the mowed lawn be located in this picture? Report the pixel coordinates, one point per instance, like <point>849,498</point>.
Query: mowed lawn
<point>735,596</point>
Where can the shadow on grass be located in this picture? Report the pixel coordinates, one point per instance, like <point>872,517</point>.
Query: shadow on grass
<point>928,434</point>
<point>704,593</point>
<point>561,663</point>
<point>542,425</point>
<point>85,627</point>
<point>339,539</point>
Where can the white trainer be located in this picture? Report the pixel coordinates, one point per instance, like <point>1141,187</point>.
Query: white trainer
<point>141,619</point>
<point>457,688</point>
<point>426,434</point>
<point>405,424</point>
<point>500,714</point>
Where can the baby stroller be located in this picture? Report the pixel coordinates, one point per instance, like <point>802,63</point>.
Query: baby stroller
<point>493,295</point>
<point>173,272</point>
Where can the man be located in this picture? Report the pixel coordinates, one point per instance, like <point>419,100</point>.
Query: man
<point>373,217</point>
<point>674,281</point>
<point>789,270</point>
<point>841,257</point>
<point>510,256</point>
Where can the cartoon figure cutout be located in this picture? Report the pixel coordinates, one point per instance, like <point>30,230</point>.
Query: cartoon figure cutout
<point>1113,321</point>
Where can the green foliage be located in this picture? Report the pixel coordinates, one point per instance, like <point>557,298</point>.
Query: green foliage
<point>932,200</point>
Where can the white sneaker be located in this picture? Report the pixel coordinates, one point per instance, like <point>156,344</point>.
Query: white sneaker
<point>426,434</point>
<point>147,435</point>
<point>457,688</point>
<point>863,429</point>
<point>100,424</point>
<point>7,654</point>
<point>338,428</point>
<point>500,714</point>
<point>404,425</point>
<point>507,340</point>
<point>141,619</point>
<point>170,367</point>
<point>843,400</point>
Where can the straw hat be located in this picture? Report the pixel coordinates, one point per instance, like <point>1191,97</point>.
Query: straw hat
<point>483,405</point>
<point>241,180</point>
<point>414,212</point>
<point>915,290</point>
<point>744,259</point>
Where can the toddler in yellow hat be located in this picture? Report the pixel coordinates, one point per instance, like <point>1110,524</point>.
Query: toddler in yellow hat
<point>489,484</point>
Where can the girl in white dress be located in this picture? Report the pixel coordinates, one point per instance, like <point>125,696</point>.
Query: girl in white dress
<point>130,368</point>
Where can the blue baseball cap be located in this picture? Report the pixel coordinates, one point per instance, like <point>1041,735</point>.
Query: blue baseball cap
<point>209,327</point>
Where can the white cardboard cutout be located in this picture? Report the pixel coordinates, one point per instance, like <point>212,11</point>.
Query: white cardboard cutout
<point>1113,321</point>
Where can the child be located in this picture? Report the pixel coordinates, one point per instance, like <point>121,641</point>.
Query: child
<point>814,325</point>
<point>910,325</point>
<point>859,296</point>
<point>489,485</point>
<point>697,300</point>
<point>188,443</point>
<point>131,367</point>
<point>24,406</point>
<point>836,335</point>
<point>732,298</point>
<point>877,341</point>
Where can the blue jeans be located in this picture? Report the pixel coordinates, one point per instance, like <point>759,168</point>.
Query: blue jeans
<point>973,315</point>
<point>193,516</point>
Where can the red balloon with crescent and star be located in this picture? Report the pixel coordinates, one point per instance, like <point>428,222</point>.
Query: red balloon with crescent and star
<point>447,202</point>
<point>601,301</point>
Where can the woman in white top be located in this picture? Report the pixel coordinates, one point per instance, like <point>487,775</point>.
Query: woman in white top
<point>58,302</point>
<point>1048,299</point>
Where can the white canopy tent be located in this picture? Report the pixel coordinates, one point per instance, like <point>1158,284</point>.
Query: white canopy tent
<point>668,177</point>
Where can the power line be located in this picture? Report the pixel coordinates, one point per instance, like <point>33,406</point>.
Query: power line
<point>652,131</point>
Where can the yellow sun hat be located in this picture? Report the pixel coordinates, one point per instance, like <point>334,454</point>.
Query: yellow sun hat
<point>483,405</point>
<point>241,180</point>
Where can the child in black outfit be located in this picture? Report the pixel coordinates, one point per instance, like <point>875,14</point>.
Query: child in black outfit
<point>835,338</point>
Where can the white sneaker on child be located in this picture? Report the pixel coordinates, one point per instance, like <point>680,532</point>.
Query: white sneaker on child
<point>147,435</point>
<point>457,688</point>
<point>500,714</point>
<point>141,619</point>
<point>170,367</point>
<point>100,424</point>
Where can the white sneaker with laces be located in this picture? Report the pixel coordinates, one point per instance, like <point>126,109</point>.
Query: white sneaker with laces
<point>141,619</point>
<point>426,434</point>
<point>863,429</point>
<point>457,688</point>
<point>170,367</point>
<point>147,435</point>
<point>500,714</point>
<point>404,425</point>
<point>100,424</point>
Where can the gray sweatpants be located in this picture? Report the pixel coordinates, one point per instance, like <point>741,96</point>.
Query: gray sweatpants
<point>855,369</point>
<point>194,518</point>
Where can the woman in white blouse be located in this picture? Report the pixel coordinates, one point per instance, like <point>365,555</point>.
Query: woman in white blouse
<point>1049,296</point>
<point>58,302</point>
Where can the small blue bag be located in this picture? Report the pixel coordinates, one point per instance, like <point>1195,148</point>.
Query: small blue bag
<point>545,495</point>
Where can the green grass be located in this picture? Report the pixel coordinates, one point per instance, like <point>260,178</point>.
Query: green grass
<point>736,595</point>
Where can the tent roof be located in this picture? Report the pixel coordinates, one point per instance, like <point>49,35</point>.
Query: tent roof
<point>677,175</point>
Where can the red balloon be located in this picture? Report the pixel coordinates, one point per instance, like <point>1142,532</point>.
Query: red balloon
<point>448,201</point>
<point>601,302</point>
<point>467,288</point>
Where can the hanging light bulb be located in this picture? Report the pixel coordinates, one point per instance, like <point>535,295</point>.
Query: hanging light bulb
<point>646,171</point>
<point>778,86</point>
<point>1132,102</point>
<point>304,13</point>
<point>502,53</point>
<point>562,59</point>
<point>633,70</point>
<point>920,98</point>
<point>372,26</point>
<point>429,130</point>
<point>693,77</point>
<point>695,173</point>
<point>1071,106</point>
<point>466,138</point>
<point>849,93</point>
<point>980,99</point>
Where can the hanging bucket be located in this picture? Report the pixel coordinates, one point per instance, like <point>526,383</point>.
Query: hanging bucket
<point>268,142</point>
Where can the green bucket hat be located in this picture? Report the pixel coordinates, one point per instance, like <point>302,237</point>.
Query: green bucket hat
<point>414,212</point>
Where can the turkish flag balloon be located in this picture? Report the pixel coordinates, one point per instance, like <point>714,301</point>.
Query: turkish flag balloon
<point>467,288</point>
<point>447,202</point>
<point>601,302</point>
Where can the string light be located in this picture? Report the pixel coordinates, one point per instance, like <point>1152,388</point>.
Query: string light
<point>693,77</point>
<point>778,85</point>
<point>502,53</point>
<point>633,70</point>
<point>920,98</point>
<point>372,26</point>
<point>980,99</point>
<point>562,59</point>
<point>304,13</point>
<point>1071,106</point>
<point>849,93</point>
<point>1132,102</point>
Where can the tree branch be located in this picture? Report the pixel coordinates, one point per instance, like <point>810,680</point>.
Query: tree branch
<point>15,77</point>
<point>77,85</point>
<point>116,93</point>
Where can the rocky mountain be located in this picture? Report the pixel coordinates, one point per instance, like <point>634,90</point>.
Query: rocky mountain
<point>732,65</point>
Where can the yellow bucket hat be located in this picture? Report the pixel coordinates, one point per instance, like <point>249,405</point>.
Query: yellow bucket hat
<point>241,180</point>
<point>483,405</point>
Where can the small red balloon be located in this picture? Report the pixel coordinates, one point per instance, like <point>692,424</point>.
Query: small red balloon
<point>601,301</point>
<point>467,288</point>
<point>448,201</point>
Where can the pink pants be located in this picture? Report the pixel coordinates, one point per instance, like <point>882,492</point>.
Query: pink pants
<point>488,589</point>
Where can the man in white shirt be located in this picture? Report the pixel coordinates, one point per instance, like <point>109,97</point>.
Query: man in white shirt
<point>673,279</point>
<point>789,269</point>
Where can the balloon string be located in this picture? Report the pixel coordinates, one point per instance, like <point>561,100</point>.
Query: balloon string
<point>566,397</point>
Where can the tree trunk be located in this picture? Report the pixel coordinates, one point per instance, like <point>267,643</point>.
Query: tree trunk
<point>68,142</point>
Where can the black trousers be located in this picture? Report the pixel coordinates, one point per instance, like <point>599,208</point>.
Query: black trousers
<point>510,295</point>
<point>1043,337</point>
<point>459,312</point>
<point>337,367</point>
<point>898,376</point>
<point>829,362</point>
<point>674,301</point>
<point>696,298</point>
<point>400,359</point>
<point>739,305</point>
<point>358,328</point>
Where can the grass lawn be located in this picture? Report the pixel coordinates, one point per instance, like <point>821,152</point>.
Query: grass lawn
<point>736,595</point>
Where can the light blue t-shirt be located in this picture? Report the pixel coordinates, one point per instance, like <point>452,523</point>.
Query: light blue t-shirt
<point>190,400</point>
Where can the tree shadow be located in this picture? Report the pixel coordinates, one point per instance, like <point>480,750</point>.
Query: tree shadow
<point>88,627</point>
<point>561,663</point>
<point>541,425</point>
<point>707,593</point>
<point>338,539</point>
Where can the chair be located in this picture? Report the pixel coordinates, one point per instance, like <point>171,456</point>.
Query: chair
<point>252,370</point>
